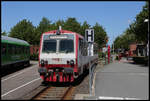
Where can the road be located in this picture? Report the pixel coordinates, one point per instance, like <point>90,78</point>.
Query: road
<point>122,80</point>
<point>20,83</point>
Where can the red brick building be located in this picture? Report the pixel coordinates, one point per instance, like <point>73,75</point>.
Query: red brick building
<point>132,49</point>
<point>34,49</point>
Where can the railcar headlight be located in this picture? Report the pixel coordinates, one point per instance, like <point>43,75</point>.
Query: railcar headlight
<point>71,62</point>
<point>42,63</point>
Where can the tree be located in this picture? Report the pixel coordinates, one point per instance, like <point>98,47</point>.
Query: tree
<point>72,25</point>
<point>59,23</point>
<point>124,40</point>
<point>139,27</point>
<point>43,26</point>
<point>23,30</point>
<point>4,33</point>
<point>137,32</point>
<point>100,35</point>
<point>84,27</point>
<point>117,42</point>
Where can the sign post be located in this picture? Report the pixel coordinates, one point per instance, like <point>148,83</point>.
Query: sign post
<point>89,36</point>
<point>108,54</point>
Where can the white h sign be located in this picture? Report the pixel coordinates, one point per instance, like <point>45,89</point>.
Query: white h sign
<point>89,35</point>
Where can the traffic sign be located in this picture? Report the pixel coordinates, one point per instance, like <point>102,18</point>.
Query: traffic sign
<point>89,35</point>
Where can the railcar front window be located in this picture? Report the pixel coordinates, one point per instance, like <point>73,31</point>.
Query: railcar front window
<point>49,46</point>
<point>66,46</point>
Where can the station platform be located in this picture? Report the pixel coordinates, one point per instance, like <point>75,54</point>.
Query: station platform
<point>120,80</point>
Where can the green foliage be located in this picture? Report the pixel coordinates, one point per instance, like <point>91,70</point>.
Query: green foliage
<point>23,30</point>
<point>117,57</point>
<point>84,27</point>
<point>43,26</point>
<point>34,56</point>
<point>137,32</point>
<point>140,28</point>
<point>26,31</point>
<point>124,40</point>
<point>100,36</point>
<point>4,33</point>
<point>141,60</point>
<point>71,24</point>
<point>101,55</point>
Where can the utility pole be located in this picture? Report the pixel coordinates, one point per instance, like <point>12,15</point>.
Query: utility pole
<point>89,36</point>
<point>147,20</point>
<point>113,45</point>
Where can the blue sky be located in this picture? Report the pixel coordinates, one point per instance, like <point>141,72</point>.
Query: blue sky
<point>114,16</point>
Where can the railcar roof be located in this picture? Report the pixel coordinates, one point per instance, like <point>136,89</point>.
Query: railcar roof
<point>13,40</point>
<point>62,32</point>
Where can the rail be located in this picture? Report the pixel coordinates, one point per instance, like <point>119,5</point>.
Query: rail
<point>54,93</point>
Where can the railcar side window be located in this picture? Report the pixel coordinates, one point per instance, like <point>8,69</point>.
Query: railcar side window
<point>83,47</point>
<point>49,46</point>
<point>15,52</point>
<point>3,49</point>
<point>66,46</point>
<point>10,49</point>
<point>17,49</point>
<point>27,49</point>
<point>13,49</point>
<point>23,49</point>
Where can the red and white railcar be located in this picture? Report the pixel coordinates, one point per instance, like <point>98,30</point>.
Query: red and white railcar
<point>63,56</point>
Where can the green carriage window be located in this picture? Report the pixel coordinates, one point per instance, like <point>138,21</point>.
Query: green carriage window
<point>10,49</point>
<point>3,49</point>
<point>24,49</point>
<point>27,50</point>
<point>18,49</point>
<point>21,49</point>
<point>13,49</point>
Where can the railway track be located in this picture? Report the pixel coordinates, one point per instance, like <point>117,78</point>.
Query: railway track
<point>55,93</point>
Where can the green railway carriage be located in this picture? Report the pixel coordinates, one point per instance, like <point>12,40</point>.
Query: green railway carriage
<point>14,51</point>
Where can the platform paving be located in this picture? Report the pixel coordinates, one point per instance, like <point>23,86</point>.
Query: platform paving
<point>122,80</point>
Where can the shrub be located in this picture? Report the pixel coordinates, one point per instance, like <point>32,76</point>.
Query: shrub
<point>117,57</point>
<point>34,56</point>
<point>140,60</point>
<point>101,54</point>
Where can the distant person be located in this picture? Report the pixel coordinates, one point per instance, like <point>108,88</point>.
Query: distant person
<point>129,52</point>
<point>119,57</point>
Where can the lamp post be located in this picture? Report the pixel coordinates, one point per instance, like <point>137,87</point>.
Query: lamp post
<point>147,20</point>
